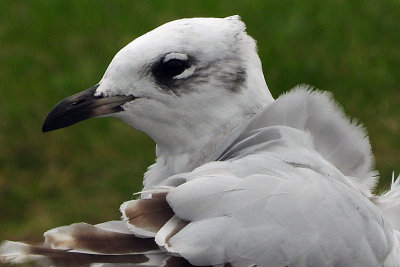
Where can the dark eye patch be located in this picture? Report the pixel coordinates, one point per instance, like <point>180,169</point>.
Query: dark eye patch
<point>164,72</point>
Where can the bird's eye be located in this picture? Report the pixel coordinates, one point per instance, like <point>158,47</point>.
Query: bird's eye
<point>174,67</point>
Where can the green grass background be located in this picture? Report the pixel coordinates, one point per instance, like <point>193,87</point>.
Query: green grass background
<point>52,49</point>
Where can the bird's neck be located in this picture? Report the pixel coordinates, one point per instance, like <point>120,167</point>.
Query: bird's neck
<point>196,151</point>
<point>192,154</point>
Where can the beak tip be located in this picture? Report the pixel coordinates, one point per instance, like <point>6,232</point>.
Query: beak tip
<point>52,121</point>
<point>48,126</point>
<point>45,128</point>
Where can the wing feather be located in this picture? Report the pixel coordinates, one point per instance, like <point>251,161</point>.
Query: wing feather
<point>283,218</point>
<point>15,252</point>
<point>88,238</point>
<point>146,216</point>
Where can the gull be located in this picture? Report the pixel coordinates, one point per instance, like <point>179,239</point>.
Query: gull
<point>240,178</point>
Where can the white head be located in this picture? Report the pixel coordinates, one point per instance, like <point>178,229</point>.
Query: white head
<point>187,84</point>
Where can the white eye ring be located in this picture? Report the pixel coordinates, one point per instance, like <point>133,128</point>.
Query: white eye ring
<point>188,72</point>
<point>179,56</point>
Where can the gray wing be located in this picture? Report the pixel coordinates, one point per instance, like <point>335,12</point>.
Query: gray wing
<point>289,216</point>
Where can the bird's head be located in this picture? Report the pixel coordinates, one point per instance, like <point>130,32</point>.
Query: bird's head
<point>183,81</point>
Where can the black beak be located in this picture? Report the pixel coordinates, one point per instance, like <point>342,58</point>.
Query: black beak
<point>82,106</point>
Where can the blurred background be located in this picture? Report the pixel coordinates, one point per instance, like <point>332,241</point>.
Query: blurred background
<point>52,49</point>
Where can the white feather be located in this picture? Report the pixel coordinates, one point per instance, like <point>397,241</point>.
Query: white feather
<point>18,253</point>
<point>389,203</point>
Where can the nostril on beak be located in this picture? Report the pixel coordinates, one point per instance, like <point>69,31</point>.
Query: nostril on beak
<point>76,103</point>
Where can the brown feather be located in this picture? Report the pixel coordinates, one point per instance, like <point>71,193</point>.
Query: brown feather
<point>149,214</point>
<point>66,258</point>
<point>86,237</point>
<point>160,195</point>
